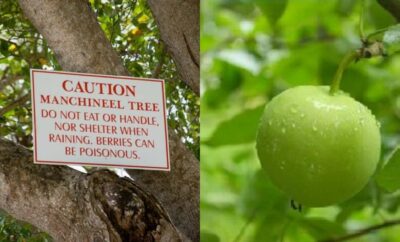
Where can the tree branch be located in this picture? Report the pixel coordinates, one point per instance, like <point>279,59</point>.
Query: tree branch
<point>179,26</point>
<point>20,101</point>
<point>73,206</point>
<point>8,81</point>
<point>157,70</point>
<point>364,231</point>
<point>178,190</point>
<point>392,6</point>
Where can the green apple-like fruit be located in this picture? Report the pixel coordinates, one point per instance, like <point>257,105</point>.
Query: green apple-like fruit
<point>318,148</point>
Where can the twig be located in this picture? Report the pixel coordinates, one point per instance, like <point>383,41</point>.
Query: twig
<point>22,100</point>
<point>361,22</point>
<point>8,81</point>
<point>371,50</point>
<point>364,231</point>
<point>157,71</point>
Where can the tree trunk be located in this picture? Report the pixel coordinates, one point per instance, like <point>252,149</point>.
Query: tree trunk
<point>178,190</point>
<point>73,206</point>
<point>58,196</point>
<point>178,21</point>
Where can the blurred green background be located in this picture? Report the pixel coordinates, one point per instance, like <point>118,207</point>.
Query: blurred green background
<point>251,50</point>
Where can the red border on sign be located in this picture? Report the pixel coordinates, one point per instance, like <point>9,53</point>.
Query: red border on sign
<point>37,161</point>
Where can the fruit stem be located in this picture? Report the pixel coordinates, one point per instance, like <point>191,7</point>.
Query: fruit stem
<point>348,58</point>
<point>361,21</point>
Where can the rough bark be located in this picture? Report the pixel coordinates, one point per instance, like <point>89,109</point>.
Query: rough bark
<point>73,33</point>
<point>71,30</point>
<point>73,206</point>
<point>182,195</point>
<point>178,21</point>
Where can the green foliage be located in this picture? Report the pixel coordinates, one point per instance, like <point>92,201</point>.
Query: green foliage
<point>208,237</point>
<point>273,9</point>
<point>248,57</point>
<point>247,118</point>
<point>20,48</point>
<point>391,39</point>
<point>388,177</point>
<point>13,231</point>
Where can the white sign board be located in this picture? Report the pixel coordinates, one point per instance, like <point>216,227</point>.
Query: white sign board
<point>99,120</point>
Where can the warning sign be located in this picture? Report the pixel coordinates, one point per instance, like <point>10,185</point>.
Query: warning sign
<point>99,120</point>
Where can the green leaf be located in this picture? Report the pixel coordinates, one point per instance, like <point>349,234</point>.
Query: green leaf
<point>272,9</point>
<point>345,7</point>
<point>208,237</point>
<point>321,228</point>
<point>390,203</point>
<point>392,35</point>
<point>379,17</point>
<point>270,227</point>
<point>389,178</point>
<point>240,59</point>
<point>240,129</point>
<point>391,39</point>
<point>231,77</point>
<point>260,194</point>
<point>361,200</point>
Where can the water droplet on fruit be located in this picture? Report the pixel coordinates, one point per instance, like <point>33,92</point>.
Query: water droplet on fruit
<point>270,122</point>
<point>274,147</point>
<point>282,165</point>
<point>378,124</point>
<point>312,168</point>
<point>293,125</point>
<point>283,130</point>
<point>293,110</point>
<point>361,121</point>
<point>302,115</point>
<point>355,129</point>
<point>314,128</point>
<point>361,108</point>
